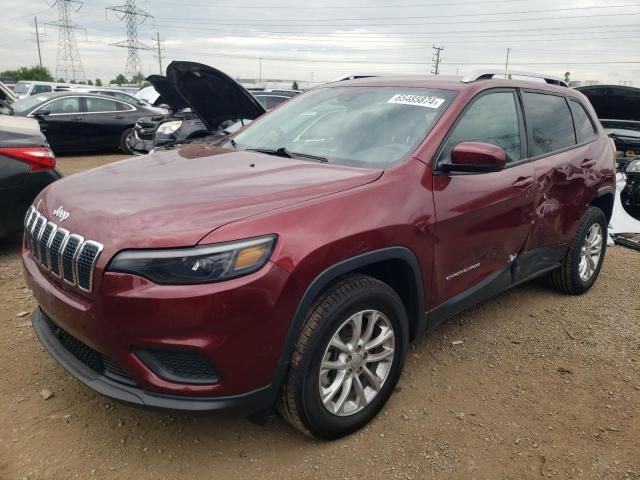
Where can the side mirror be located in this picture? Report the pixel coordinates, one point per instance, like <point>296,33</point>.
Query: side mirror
<point>40,114</point>
<point>476,157</point>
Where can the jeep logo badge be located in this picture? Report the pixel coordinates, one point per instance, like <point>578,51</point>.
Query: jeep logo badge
<point>61,213</point>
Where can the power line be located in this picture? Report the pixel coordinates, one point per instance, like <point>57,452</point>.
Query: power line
<point>68,65</point>
<point>379,62</point>
<point>324,6</point>
<point>412,17</point>
<point>132,15</point>
<point>364,37</point>
<point>427,21</point>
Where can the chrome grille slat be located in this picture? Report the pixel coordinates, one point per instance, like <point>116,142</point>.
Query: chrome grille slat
<point>65,255</point>
<point>54,250</point>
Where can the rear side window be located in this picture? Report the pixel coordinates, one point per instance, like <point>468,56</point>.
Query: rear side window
<point>97,105</point>
<point>493,118</point>
<point>549,123</point>
<point>585,130</point>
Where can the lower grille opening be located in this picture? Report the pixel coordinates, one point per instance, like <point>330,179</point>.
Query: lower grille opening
<point>180,366</point>
<point>96,361</point>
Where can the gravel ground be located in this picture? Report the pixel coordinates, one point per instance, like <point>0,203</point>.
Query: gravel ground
<point>543,385</point>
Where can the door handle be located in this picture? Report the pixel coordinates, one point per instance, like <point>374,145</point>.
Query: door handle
<point>119,117</point>
<point>77,119</point>
<point>587,163</point>
<point>523,182</point>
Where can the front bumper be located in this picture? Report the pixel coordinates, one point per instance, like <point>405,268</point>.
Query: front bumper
<point>140,145</point>
<point>247,403</point>
<point>239,326</point>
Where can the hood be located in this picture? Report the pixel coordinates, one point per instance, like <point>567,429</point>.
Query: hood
<point>6,95</point>
<point>174,198</point>
<point>166,91</point>
<point>213,95</point>
<point>614,102</point>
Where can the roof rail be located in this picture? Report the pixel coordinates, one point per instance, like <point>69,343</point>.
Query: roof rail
<point>488,74</point>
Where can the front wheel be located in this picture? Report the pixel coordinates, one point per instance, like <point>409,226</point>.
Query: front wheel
<point>125,141</point>
<point>585,255</point>
<point>347,359</point>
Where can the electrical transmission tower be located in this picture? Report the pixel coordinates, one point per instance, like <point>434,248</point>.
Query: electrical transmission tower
<point>133,16</point>
<point>435,60</point>
<point>68,65</point>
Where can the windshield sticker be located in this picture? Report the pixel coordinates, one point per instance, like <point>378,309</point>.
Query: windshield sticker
<point>417,100</point>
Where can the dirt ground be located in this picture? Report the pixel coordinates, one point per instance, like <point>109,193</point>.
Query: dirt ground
<point>543,385</point>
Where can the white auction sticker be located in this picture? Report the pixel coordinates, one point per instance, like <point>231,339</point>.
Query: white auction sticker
<point>417,100</point>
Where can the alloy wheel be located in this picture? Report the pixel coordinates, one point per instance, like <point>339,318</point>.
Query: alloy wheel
<point>590,252</point>
<point>356,363</point>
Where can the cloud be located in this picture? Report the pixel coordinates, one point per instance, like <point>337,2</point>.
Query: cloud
<point>299,40</point>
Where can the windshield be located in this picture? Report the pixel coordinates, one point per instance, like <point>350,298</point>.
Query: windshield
<point>372,127</point>
<point>22,87</point>
<point>27,103</point>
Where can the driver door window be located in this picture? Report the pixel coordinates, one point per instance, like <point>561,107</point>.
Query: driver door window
<point>63,106</point>
<point>493,118</point>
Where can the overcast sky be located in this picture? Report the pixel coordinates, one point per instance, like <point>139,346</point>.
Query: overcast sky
<point>594,40</point>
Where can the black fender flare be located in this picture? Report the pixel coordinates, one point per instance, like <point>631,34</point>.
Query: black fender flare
<point>329,275</point>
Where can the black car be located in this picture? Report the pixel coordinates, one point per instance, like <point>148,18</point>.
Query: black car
<point>205,101</point>
<point>27,165</point>
<point>76,121</point>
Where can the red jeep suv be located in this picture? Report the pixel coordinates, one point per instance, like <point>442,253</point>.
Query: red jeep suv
<point>290,264</point>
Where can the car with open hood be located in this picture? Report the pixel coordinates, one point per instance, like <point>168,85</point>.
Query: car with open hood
<point>7,97</point>
<point>618,108</point>
<point>289,265</point>
<point>205,101</point>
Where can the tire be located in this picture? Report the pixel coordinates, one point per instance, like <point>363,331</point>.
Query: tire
<point>334,313</point>
<point>124,141</point>
<point>568,278</point>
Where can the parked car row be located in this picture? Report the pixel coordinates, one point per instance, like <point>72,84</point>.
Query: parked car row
<point>174,109</point>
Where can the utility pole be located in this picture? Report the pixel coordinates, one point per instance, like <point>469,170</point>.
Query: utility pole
<point>68,65</point>
<point>260,73</point>
<point>132,15</point>
<point>435,60</point>
<point>159,50</point>
<point>506,65</point>
<point>38,41</point>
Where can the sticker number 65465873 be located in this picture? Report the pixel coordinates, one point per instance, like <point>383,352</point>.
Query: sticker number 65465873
<point>417,100</point>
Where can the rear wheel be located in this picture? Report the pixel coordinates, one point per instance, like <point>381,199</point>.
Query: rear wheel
<point>125,141</point>
<point>583,261</point>
<point>347,359</point>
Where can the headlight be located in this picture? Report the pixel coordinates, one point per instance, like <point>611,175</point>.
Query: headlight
<point>169,127</point>
<point>211,263</point>
<point>633,167</point>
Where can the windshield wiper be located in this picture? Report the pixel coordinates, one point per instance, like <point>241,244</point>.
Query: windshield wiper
<point>280,152</point>
<point>624,137</point>
<point>283,152</point>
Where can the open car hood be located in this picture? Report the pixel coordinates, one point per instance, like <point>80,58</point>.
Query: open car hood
<point>166,91</point>
<point>6,94</point>
<point>212,95</point>
<point>614,102</point>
